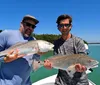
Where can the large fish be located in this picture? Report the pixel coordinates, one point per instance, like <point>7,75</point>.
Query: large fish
<point>30,47</point>
<point>68,62</point>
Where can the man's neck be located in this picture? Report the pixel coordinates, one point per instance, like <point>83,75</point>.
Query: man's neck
<point>66,37</point>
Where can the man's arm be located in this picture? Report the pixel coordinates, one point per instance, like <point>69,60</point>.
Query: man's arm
<point>4,36</point>
<point>81,47</point>
<point>2,43</point>
<point>3,40</point>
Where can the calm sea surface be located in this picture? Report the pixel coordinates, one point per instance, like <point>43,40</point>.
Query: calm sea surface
<point>94,51</point>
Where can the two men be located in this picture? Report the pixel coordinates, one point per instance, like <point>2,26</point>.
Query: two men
<point>12,73</point>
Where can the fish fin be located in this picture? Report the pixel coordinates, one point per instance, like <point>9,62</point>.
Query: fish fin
<point>56,55</point>
<point>37,64</point>
<point>71,70</point>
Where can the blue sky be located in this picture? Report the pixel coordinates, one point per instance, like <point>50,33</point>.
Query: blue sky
<point>85,14</point>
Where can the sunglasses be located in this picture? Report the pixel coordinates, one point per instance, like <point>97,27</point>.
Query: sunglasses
<point>62,25</point>
<point>29,25</point>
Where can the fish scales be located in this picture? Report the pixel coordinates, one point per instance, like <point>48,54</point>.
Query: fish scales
<point>64,61</point>
<point>30,47</point>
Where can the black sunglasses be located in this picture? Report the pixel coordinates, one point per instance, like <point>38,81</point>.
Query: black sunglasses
<point>62,25</point>
<point>29,25</point>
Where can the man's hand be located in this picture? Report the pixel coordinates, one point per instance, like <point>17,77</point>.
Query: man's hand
<point>12,55</point>
<point>47,64</point>
<point>80,68</point>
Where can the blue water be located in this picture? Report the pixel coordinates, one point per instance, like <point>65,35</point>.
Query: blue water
<point>94,52</point>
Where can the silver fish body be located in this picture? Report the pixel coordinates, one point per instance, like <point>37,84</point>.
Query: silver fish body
<point>68,62</point>
<point>65,61</point>
<point>30,47</point>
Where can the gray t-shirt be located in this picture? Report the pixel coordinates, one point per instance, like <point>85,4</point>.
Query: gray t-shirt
<point>71,46</point>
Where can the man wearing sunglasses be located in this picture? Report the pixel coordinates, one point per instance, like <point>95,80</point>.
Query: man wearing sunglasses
<point>27,26</point>
<point>16,70</point>
<point>68,44</point>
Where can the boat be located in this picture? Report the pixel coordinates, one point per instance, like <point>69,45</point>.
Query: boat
<point>51,79</point>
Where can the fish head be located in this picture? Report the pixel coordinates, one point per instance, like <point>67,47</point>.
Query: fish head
<point>45,46</point>
<point>91,63</point>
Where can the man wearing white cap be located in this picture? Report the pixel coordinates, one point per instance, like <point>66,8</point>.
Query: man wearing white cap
<point>16,70</point>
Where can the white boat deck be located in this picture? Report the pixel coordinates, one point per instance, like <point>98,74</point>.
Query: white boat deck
<point>51,79</point>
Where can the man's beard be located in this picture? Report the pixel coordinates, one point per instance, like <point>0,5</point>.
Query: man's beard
<point>27,34</point>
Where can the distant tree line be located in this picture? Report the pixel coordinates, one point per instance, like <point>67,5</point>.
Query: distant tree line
<point>49,37</point>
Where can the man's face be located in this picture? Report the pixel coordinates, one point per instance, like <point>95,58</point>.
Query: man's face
<point>64,26</point>
<point>28,27</point>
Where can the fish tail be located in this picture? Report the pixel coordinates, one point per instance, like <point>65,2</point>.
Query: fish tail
<point>37,64</point>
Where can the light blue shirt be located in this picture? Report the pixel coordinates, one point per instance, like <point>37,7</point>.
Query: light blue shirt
<point>18,71</point>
